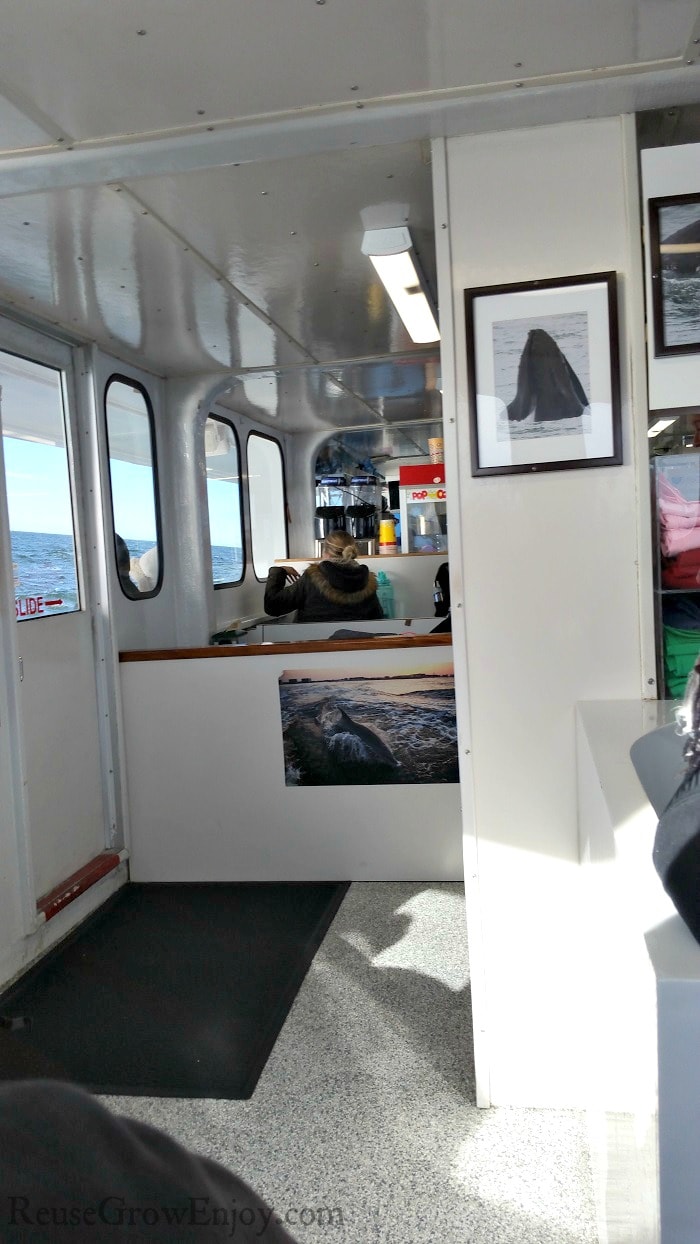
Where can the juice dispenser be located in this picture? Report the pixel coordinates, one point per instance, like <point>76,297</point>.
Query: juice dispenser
<point>423,501</point>
<point>330,505</point>
<point>362,516</point>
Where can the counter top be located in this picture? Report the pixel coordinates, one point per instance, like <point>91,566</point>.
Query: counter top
<point>223,651</point>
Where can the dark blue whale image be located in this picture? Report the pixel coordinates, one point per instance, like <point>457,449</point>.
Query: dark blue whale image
<point>548,387</point>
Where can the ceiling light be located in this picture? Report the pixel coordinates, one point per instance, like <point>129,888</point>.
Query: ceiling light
<point>391,252</point>
<point>660,426</point>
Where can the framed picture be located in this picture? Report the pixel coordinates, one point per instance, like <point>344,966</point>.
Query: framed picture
<point>544,375</point>
<point>674,257</point>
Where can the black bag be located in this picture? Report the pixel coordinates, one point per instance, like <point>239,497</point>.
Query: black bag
<point>676,853</point>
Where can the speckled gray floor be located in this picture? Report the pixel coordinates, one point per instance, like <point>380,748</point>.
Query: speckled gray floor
<point>366,1103</point>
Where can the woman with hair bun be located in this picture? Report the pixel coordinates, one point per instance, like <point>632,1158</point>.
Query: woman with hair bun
<point>335,589</point>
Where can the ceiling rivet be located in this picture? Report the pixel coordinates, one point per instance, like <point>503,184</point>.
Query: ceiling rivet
<point>25,222</point>
<point>293,233</point>
<point>201,112</point>
<point>389,176</point>
<point>210,128</point>
<point>142,32</point>
<point>359,105</point>
<point>690,62</point>
<point>518,84</point>
<point>354,88</point>
<point>518,64</point>
<point>263,191</point>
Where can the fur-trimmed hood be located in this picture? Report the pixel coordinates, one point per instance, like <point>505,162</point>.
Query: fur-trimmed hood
<point>342,583</point>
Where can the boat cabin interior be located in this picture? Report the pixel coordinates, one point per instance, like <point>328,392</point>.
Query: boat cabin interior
<point>428,274</point>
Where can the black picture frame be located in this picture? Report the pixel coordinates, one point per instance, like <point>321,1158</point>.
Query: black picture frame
<point>544,375</point>
<point>674,260</point>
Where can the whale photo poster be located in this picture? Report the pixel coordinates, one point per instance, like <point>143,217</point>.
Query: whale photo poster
<point>674,258</point>
<point>543,373</point>
<point>350,727</point>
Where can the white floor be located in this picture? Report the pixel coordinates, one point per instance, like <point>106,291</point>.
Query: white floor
<point>366,1104</point>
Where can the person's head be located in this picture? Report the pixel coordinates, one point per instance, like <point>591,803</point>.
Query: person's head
<point>339,546</point>
<point>123,557</point>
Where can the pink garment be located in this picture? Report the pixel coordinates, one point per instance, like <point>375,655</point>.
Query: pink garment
<point>673,542</point>
<point>670,517</point>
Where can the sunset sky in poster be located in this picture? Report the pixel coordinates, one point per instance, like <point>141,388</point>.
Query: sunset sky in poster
<point>443,670</point>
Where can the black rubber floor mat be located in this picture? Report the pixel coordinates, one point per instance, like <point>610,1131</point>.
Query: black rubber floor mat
<point>168,990</point>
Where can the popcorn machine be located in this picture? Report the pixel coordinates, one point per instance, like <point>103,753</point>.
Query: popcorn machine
<point>423,503</point>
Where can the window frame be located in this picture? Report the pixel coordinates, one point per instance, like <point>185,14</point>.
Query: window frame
<point>229,582</point>
<point>69,414</point>
<point>264,436</point>
<point>119,377</point>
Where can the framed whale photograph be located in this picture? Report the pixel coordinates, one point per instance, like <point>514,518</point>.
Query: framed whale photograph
<point>674,259</point>
<point>544,375</point>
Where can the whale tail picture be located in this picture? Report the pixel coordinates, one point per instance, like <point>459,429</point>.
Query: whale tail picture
<point>548,387</point>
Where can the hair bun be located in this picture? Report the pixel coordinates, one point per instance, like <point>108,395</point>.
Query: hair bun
<point>350,552</point>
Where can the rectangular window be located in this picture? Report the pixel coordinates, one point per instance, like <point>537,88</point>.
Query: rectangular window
<point>134,484</point>
<point>37,471</point>
<point>224,501</point>
<point>268,525</point>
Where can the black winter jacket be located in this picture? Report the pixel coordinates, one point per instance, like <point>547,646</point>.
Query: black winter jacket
<point>326,592</point>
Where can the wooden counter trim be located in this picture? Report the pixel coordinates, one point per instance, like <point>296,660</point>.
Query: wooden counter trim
<point>275,650</point>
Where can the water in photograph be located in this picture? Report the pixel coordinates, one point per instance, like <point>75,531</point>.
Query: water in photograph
<point>414,715</point>
<point>680,290</point>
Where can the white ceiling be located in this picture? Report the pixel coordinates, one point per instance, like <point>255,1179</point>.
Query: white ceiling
<point>182,182</point>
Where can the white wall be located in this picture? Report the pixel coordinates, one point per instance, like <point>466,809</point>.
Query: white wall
<point>551,597</point>
<point>673,381</point>
<point>206,777</point>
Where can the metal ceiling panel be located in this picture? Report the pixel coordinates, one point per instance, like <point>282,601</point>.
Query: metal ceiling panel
<point>288,235</point>
<point>505,42</point>
<point>305,400</point>
<point>101,70</point>
<point>17,130</point>
<point>96,263</point>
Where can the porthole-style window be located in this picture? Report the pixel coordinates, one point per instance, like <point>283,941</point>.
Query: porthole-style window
<point>223,462</point>
<point>268,503</point>
<point>134,487</point>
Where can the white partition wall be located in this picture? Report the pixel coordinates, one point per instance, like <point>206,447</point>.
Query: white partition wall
<point>207,793</point>
<point>551,570</point>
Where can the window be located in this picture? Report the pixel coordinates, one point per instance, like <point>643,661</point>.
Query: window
<point>268,526</point>
<point>39,500</point>
<point>224,498</point>
<point>134,483</point>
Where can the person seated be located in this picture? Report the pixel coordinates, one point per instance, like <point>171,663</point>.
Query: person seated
<point>337,588</point>
<point>441,597</point>
<point>124,564</point>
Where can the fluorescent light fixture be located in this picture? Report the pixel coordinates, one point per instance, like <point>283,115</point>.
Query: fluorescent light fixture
<point>660,426</point>
<point>391,252</point>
